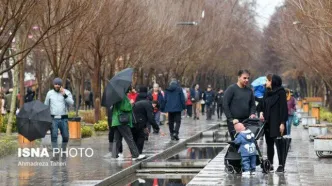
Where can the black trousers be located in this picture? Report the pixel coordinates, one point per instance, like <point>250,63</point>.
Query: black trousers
<point>209,110</point>
<point>125,132</point>
<point>270,146</point>
<point>174,117</point>
<point>111,139</point>
<point>203,109</point>
<point>190,110</point>
<point>139,138</point>
<point>219,111</point>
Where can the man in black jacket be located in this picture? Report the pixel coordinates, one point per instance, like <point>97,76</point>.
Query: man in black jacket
<point>219,101</point>
<point>143,114</point>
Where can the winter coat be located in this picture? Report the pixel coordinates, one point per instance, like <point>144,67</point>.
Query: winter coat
<point>291,105</point>
<point>259,91</point>
<point>275,110</point>
<point>209,97</point>
<point>161,100</point>
<point>132,96</point>
<point>188,102</point>
<point>246,140</point>
<point>174,98</point>
<point>143,113</point>
<point>219,98</point>
<point>122,107</point>
<point>192,95</point>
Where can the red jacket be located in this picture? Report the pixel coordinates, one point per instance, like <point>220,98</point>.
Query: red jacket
<point>188,102</point>
<point>132,96</point>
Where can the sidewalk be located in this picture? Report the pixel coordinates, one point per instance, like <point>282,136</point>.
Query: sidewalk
<point>303,167</point>
<point>80,171</point>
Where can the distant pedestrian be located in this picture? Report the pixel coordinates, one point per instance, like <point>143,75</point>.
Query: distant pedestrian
<point>291,104</point>
<point>219,100</point>
<point>30,96</point>
<point>8,100</point>
<point>174,105</point>
<point>189,104</point>
<point>239,101</point>
<point>196,96</point>
<point>209,97</point>
<point>156,95</point>
<point>87,100</point>
<point>59,100</point>
<point>2,104</point>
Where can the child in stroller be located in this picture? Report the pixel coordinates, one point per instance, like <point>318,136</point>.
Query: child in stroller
<point>233,158</point>
<point>246,139</point>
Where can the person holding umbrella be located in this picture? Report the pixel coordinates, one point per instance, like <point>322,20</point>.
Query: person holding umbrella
<point>115,97</point>
<point>275,114</point>
<point>58,99</point>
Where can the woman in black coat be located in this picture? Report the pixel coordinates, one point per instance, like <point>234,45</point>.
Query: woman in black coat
<point>275,113</point>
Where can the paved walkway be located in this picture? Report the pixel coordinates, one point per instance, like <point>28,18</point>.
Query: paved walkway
<point>80,171</point>
<point>303,167</point>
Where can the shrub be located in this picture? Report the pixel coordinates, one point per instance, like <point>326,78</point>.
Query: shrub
<point>4,122</point>
<point>8,145</point>
<point>101,125</point>
<point>88,116</point>
<point>72,114</point>
<point>86,132</point>
<point>325,115</point>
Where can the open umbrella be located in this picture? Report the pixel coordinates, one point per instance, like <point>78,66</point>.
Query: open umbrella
<point>259,81</point>
<point>34,120</point>
<point>117,87</point>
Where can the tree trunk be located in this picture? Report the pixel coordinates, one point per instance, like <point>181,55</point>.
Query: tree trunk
<point>22,89</point>
<point>97,89</point>
<point>13,102</point>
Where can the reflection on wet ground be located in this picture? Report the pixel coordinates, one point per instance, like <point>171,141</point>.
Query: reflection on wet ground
<point>197,153</point>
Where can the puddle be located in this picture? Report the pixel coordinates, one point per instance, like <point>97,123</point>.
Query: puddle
<point>182,181</point>
<point>197,153</point>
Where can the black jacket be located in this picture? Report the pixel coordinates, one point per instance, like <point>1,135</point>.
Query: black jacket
<point>275,110</point>
<point>219,98</point>
<point>143,113</point>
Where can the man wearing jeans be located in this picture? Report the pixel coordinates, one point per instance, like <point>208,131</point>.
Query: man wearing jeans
<point>59,99</point>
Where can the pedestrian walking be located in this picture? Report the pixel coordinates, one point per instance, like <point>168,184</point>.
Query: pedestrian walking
<point>196,95</point>
<point>209,97</point>
<point>59,100</point>
<point>219,101</point>
<point>275,114</point>
<point>189,104</point>
<point>156,95</point>
<point>87,100</point>
<point>111,136</point>
<point>143,113</point>
<point>2,104</point>
<point>239,101</point>
<point>291,105</point>
<point>122,123</point>
<point>30,96</point>
<point>174,105</point>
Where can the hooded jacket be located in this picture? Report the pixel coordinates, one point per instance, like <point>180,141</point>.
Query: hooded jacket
<point>275,109</point>
<point>246,140</point>
<point>174,98</point>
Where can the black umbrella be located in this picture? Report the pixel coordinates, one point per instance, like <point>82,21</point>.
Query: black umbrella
<point>282,144</point>
<point>34,120</point>
<point>117,87</point>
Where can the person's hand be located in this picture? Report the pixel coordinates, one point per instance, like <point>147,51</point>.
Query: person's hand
<point>261,117</point>
<point>62,90</point>
<point>282,129</point>
<point>252,116</point>
<point>146,131</point>
<point>131,101</point>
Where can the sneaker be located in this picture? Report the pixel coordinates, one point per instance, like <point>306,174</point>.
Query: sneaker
<point>140,157</point>
<point>141,180</point>
<point>120,155</point>
<point>280,169</point>
<point>246,174</point>
<point>253,173</point>
<point>176,137</point>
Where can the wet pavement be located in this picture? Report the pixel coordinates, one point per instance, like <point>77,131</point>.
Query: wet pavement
<point>89,171</point>
<point>303,167</point>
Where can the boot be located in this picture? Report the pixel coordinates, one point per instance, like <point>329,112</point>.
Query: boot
<point>176,137</point>
<point>172,136</point>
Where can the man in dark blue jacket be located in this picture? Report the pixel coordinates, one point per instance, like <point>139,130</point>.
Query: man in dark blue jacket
<point>209,99</point>
<point>174,105</point>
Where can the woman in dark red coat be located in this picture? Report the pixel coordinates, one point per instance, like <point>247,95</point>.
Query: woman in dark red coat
<point>275,113</point>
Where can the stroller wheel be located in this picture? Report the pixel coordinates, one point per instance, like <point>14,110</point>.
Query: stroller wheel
<point>238,170</point>
<point>266,166</point>
<point>229,169</point>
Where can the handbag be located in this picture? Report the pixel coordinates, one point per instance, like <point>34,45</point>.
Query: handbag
<point>202,102</point>
<point>296,120</point>
<point>124,118</point>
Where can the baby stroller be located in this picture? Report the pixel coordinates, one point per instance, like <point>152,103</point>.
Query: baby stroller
<point>233,158</point>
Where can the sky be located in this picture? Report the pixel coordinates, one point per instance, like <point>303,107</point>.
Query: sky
<point>266,8</point>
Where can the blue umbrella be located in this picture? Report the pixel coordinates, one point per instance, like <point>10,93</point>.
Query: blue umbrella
<point>259,81</point>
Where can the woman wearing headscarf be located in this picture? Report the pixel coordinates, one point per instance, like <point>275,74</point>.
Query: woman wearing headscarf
<point>275,113</point>
<point>291,104</point>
